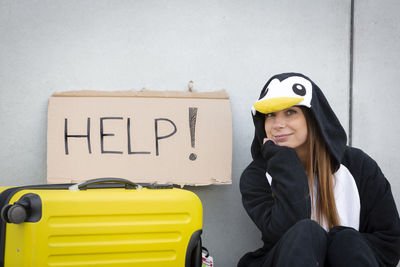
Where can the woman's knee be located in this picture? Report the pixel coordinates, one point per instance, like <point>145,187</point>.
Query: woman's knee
<point>304,244</point>
<point>307,231</point>
<point>309,226</point>
<point>347,247</point>
<point>344,235</point>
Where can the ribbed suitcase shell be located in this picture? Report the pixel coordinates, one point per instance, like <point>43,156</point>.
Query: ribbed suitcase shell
<point>106,227</point>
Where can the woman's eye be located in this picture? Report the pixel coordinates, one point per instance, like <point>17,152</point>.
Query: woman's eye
<point>291,112</point>
<point>269,115</point>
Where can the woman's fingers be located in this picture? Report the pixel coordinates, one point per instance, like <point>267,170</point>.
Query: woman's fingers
<point>266,139</point>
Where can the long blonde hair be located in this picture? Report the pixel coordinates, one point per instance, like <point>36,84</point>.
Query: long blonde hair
<point>320,168</point>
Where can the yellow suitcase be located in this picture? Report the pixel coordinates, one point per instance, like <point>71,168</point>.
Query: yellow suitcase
<point>102,222</point>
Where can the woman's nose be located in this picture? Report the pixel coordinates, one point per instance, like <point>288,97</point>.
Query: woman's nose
<point>279,122</point>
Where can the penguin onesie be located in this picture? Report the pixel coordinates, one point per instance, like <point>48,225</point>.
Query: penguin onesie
<point>275,192</point>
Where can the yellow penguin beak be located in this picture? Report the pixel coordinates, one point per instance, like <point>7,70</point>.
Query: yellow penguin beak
<point>266,106</point>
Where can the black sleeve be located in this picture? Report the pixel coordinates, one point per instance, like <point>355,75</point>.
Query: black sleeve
<point>379,219</point>
<point>274,209</point>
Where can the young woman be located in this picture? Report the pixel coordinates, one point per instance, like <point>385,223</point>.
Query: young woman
<point>316,201</point>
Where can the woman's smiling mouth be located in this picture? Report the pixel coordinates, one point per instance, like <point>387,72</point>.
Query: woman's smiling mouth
<point>282,137</point>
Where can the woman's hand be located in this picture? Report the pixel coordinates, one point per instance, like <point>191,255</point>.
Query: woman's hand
<point>270,148</point>
<point>266,139</point>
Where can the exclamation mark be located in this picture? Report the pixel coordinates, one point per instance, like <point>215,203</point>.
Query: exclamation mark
<point>192,125</point>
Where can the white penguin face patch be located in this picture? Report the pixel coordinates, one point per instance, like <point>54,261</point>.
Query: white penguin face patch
<point>279,95</point>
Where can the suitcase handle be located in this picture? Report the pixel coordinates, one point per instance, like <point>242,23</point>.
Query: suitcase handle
<point>84,185</point>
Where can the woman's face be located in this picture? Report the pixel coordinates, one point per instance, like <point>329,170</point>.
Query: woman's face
<point>287,127</point>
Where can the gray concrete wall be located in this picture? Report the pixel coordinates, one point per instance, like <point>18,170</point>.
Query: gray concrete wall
<point>376,124</point>
<point>48,46</point>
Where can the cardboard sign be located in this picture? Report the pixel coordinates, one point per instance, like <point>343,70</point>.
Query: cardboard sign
<point>162,137</point>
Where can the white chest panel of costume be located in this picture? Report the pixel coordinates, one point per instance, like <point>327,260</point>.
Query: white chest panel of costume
<point>346,196</point>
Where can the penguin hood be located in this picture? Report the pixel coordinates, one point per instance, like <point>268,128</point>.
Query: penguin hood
<point>294,89</point>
